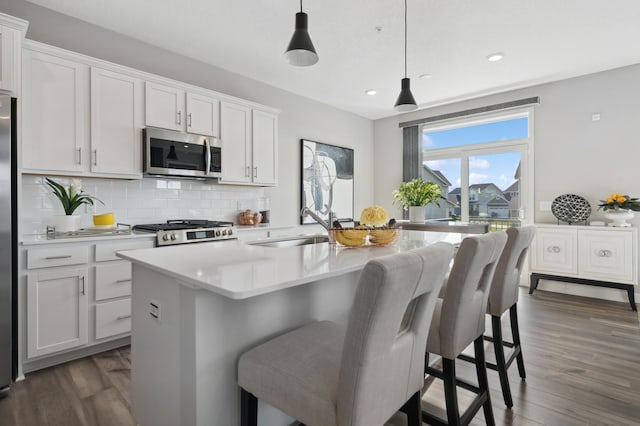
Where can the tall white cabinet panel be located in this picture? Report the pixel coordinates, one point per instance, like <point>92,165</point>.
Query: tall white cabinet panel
<point>164,106</point>
<point>265,147</point>
<point>555,250</point>
<point>57,308</point>
<point>235,131</point>
<point>116,123</point>
<point>54,104</point>
<point>607,256</point>
<point>8,75</point>
<point>203,115</point>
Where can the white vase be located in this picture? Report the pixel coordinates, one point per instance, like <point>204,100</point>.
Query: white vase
<point>416,214</point>
<point>66,223</point>
<point>619,218</point>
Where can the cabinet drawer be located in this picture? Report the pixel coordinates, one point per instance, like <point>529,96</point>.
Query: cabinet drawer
<point>606,256</point>
<point>113,280</point>
<point>107,251</point>
<point>113,318</point>
<point>47,257</point>
<point>556,250</point>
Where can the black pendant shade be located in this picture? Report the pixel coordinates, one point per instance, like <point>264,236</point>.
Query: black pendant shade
<point>406,101</point>
<point>301,52</point>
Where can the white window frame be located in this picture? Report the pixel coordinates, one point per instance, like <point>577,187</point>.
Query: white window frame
<point>524,146</point>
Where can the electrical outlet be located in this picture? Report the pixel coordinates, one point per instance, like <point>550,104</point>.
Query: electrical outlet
<point>90,208</point>
<point>154,309</point>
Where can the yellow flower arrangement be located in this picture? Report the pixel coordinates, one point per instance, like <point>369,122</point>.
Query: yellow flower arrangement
<point>619,201</point>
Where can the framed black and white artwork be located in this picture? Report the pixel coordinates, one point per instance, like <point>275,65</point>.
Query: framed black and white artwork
<point>327,180</point>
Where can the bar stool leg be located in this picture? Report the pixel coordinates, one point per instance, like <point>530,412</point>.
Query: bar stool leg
<point>483,381</point>
<point>248,409</point>
<point>413,409</point>
<point>501,365</point>
<point>450,395</point>
<point>513,315</point>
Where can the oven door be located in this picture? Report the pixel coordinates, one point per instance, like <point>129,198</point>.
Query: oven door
<point>167,152</point>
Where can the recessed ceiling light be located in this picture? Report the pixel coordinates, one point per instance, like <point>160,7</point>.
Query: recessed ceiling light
<point>424,76</point>
<point>494,57</point>
<point>370,92</point>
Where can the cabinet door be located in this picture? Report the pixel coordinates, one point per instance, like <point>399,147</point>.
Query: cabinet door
<point>54,105</point>
<point>265,147</point>
<point>116,124</point>
<point>606,255</point>
<point>7,58</point>
<point>203,115</point>
<point>235,131</point>
<point>556,251</point>
<point>164,106</point>
<point>56,311</point>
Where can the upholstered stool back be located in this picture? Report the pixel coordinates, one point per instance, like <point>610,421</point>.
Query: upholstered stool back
<point>504,289</point>
<point>383,356</point>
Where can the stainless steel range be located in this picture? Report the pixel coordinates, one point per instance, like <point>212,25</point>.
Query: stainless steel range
<point>189,231</point>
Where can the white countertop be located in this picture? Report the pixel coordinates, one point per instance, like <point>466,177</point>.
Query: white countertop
<point>239,270</point>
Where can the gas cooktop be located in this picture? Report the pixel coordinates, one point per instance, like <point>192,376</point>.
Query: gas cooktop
<point>189,231</point>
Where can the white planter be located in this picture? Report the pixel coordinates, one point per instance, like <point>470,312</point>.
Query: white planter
<point>416,214</point>
<point>66,223</point>
<point>619,218</point>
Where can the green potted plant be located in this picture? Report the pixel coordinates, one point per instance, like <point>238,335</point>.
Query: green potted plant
<point>71,198</point>
<point>415,195</point>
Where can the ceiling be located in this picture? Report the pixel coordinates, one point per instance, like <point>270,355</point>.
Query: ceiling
<point>360,42</point>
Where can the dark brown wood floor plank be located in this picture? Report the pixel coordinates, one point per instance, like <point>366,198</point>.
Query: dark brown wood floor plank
<point>87,377</point>
<point>107,408</point>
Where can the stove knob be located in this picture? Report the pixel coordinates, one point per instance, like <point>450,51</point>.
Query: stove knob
<point>217,233</point>
<point>173,237</point>
<point>165,237</point>
<point>229,232</point>
<point>224,232</point>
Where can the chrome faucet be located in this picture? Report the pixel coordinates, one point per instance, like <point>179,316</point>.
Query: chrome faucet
<point>308,212</point>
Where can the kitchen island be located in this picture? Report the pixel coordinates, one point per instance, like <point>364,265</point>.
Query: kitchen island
<point>196,308</point>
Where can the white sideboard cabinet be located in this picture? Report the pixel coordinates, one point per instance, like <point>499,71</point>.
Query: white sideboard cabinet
<point>588,255</point>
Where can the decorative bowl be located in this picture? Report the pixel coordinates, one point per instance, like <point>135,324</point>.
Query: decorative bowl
<point>350,237</point>
<point>105,219</point>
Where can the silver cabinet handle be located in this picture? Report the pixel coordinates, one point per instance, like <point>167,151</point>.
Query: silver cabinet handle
<point>605,253</point>
<point>247,173</point>
<point>79,151</point>
<point>255,172</point>
<point>207,156</point>
<point>123,281</point>
<point>179,117</point>
<point>189,118</point>
<point>83,289</point>
<point>66,256</point>
<point>95,157</point>
<point>553,249</point>
<point>123,317</point>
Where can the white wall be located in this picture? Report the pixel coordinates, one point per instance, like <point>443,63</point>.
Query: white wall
<point>573,154</point>
<point>299,118</point>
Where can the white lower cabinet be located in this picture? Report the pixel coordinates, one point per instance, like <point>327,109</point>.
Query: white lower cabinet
<point>57,308</point>
<point>78,295</point>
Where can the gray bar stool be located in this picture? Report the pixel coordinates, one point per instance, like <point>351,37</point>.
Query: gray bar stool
<point>504,297</point>
<point>458,321</point>
<point>321,375</point>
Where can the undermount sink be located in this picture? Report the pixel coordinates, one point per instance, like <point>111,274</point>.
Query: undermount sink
<point>302,240</point>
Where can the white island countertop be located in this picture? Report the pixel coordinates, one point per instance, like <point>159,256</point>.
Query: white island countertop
<point>239,270</point>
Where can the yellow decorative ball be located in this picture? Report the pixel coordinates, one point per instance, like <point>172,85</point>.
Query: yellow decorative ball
<point>374,216</point>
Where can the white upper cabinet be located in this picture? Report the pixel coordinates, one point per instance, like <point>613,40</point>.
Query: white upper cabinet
<point>11,33</point>
<point>235,131</point>
<point>54,114</point>
<point>116,123</point>
<point>172,108</point>
<point>249,145</point>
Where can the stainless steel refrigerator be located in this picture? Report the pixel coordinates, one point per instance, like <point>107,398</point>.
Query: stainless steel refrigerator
<point>8,243</point>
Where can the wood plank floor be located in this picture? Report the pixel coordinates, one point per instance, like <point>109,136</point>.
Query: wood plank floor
<point>582,358</point>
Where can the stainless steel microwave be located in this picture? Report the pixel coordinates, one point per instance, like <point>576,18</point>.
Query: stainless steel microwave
<point>171,153</point>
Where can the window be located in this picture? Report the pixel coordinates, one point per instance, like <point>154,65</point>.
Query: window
<point>482,166</point>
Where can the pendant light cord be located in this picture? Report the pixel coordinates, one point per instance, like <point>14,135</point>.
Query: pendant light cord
<point>300,6</point>
<point>405,37</point>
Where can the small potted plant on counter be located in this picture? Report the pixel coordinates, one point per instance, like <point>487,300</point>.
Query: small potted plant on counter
<point>618,208</point>
<point>71,198</point>
<point>415,195</point>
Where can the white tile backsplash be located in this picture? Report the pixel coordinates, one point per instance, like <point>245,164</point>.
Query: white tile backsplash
<point>148,200</point>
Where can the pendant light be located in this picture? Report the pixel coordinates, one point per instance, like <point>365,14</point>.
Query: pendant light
<point>301,52</point>
<point>406,101</point>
